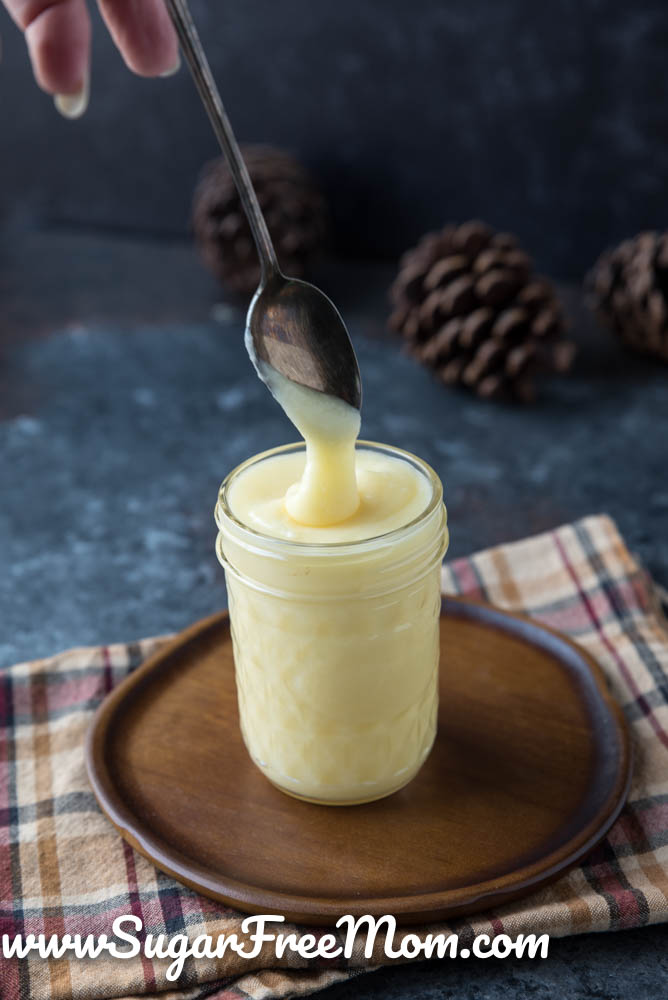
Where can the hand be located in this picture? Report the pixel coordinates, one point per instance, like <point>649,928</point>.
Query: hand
<point>58,37</point>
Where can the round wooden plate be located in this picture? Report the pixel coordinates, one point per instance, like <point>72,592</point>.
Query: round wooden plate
<point>530,768</point>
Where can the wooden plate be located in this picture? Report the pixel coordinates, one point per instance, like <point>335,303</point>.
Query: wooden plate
<point>529,770</point>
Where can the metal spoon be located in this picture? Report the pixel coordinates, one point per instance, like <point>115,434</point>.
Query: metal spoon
<point>291,325</point>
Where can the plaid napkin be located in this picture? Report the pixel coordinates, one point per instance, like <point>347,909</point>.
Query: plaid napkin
<point>63,868</point>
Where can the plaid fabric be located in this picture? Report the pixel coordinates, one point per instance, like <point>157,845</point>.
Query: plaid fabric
<point>63,868</point>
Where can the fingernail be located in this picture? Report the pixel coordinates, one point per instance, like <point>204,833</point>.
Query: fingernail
<point>73,105</point>
<point>174,70</point>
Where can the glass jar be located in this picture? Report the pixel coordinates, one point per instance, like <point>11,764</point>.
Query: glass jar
<point>336,648</point>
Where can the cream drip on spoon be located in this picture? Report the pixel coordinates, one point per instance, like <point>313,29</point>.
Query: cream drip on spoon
<point>327,492</point>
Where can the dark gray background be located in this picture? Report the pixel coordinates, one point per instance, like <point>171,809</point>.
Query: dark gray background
<point>548,119</point>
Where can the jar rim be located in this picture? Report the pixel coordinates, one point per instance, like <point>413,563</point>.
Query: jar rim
<point>224,510</point>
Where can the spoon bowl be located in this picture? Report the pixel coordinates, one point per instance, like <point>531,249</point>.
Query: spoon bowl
<point>297,330</point>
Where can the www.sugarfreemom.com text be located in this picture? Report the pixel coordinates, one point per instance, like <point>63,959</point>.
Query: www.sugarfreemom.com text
<point>256,933</point>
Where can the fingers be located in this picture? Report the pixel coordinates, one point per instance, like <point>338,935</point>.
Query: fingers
<point>58,37</point>
<point>143,32</point>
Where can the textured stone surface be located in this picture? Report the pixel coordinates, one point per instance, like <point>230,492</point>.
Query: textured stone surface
<point>115,433</point>
<point>115,436</point>
<point>630,964</point>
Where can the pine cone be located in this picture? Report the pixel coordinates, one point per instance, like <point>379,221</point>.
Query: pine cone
<point>469,306</point>
<point>295,212</point>
<point>628,290</point>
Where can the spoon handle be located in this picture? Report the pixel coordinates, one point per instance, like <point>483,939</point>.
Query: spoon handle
<point>206,85</point>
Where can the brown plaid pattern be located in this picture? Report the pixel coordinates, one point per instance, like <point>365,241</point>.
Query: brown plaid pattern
<point>63,868</point>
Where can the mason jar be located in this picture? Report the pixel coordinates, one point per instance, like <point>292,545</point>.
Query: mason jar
<point>336,647</point>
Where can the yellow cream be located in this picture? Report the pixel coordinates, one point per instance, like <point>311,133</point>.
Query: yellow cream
<point>388,494</point>
<point>332,553</point>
